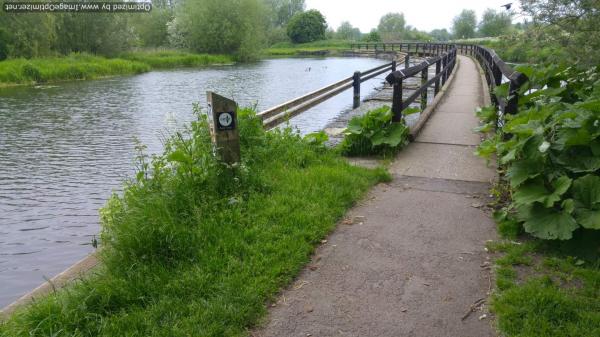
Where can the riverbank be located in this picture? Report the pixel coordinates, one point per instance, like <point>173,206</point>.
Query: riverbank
<point>197,249</point>
<point>324,47</point>
<point>85,66</point>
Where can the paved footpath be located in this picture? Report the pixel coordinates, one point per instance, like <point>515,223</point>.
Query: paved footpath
<point>412,263</point>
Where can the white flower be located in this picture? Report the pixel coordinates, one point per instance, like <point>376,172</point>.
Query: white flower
<point>544,147</point>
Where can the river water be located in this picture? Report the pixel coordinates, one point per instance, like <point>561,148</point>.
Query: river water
<point>65,148</point>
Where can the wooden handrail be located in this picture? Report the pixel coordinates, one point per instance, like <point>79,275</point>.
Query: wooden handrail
<point>275,115</point>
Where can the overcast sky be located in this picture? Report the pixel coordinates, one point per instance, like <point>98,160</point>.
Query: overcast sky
<point>422,14</point>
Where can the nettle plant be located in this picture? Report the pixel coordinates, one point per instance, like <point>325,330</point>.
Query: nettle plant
<point>375,134</point>
<point>550,152</point>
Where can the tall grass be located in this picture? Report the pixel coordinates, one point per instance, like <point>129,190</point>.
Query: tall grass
<point>290,49</point>
<point>84,66</point>
<point>194,248</point>
<point>172,59</point>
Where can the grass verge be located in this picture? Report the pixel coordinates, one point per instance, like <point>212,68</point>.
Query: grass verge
<point>85,66</point>
<point>548,289</point>
<point>325,47</point>
<point>195,248</point>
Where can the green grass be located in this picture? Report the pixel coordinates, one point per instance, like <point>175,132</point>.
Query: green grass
<point>85,66</point>
<point>548,289</point>
<point>195,248</point>
<point>173,59</point>
<point>292,49</point>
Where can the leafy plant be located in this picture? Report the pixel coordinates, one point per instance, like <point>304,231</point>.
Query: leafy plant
<point>375,134</point>
<point>550,152</point>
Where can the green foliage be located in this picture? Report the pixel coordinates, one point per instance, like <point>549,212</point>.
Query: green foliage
<point>374,134</point>
<point>552,158</point>
<point>307,27</point>
<point>283,10</point>
<point>195,248</point>
<point>347,32</point>
<point>222,27</point>
<point>464,24</point>
<point>85,66</point>
<point>574,26</point>
<point>373,36</point>
<point>391,26</point>
<point>495,23</point>
<point>441,35</point>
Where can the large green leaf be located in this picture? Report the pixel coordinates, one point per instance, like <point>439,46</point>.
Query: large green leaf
<point>522,170</point>
<point>393,135</point>
<point>588,218</point>
<point>547,223</point>
<point>586,190</point>
<point>535,191</point>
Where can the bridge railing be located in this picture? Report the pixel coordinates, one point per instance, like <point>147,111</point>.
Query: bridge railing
<point>406,47</point>
<point>282,112</point>
<point>444,65</point>
<point>498,72</point>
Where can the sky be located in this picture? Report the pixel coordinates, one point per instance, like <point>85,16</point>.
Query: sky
<point>422,14</point>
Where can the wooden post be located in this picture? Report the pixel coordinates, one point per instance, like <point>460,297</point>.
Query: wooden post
<point>406,61</point>
<point>444,69</point>
<point>226,136</point>
<point>356,85</point>
<point>424,79</point>
<point>397,103</point>
<point>394,65</point>
<point>438,66</point>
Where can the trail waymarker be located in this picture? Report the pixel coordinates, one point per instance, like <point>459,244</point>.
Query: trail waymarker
<point>226,136</point>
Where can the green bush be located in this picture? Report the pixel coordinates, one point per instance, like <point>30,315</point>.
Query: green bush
<point>307,26</point>
<point>551,159</point>
<point>374,134</point>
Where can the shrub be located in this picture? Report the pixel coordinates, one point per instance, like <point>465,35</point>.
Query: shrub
<point>374,134</point>
<point>551,159</point>
<point>307,27</point>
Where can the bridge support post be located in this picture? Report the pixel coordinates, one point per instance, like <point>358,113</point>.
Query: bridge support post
<point>438,66</point>
<point>445,71</point>
<point>407,61</point>
<point>356,85</point>
<point>397,103</point>
<point>424,79</point>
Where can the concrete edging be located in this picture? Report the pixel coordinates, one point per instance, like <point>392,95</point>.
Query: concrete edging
<point>73,273</point>
<point>414,131</point>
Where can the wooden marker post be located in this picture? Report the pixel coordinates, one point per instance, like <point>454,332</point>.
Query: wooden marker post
<point>226,136</point>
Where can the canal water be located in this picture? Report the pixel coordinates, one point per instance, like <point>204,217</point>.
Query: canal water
<point>65,148</point>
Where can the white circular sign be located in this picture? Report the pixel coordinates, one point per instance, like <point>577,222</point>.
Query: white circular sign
<point>225,119</point>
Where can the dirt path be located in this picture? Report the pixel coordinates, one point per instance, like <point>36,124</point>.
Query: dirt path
<point>410,264</point>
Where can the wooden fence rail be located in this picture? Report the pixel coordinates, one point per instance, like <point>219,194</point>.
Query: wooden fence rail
<point>278,114</point>
<point>443,56</point>
<point>444,64</point>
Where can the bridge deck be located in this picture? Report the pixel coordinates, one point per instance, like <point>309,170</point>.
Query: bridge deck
<point>413,265</point>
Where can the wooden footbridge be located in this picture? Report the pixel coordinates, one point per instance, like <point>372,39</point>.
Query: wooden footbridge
<point>441,56</point>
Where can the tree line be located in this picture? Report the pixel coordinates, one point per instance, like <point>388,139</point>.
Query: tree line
<point>242,28</point>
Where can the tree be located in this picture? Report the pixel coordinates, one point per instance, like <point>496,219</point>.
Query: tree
<point>495,23</point>
<point>373,36</point>
<point>391,26</point>
<point>464,24</point>
<point>307,27</point>
<point>440,34</point>
<point>283,10</point>
<point>347,32</point>
<point>576,24</point>
<point>222,26</point>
